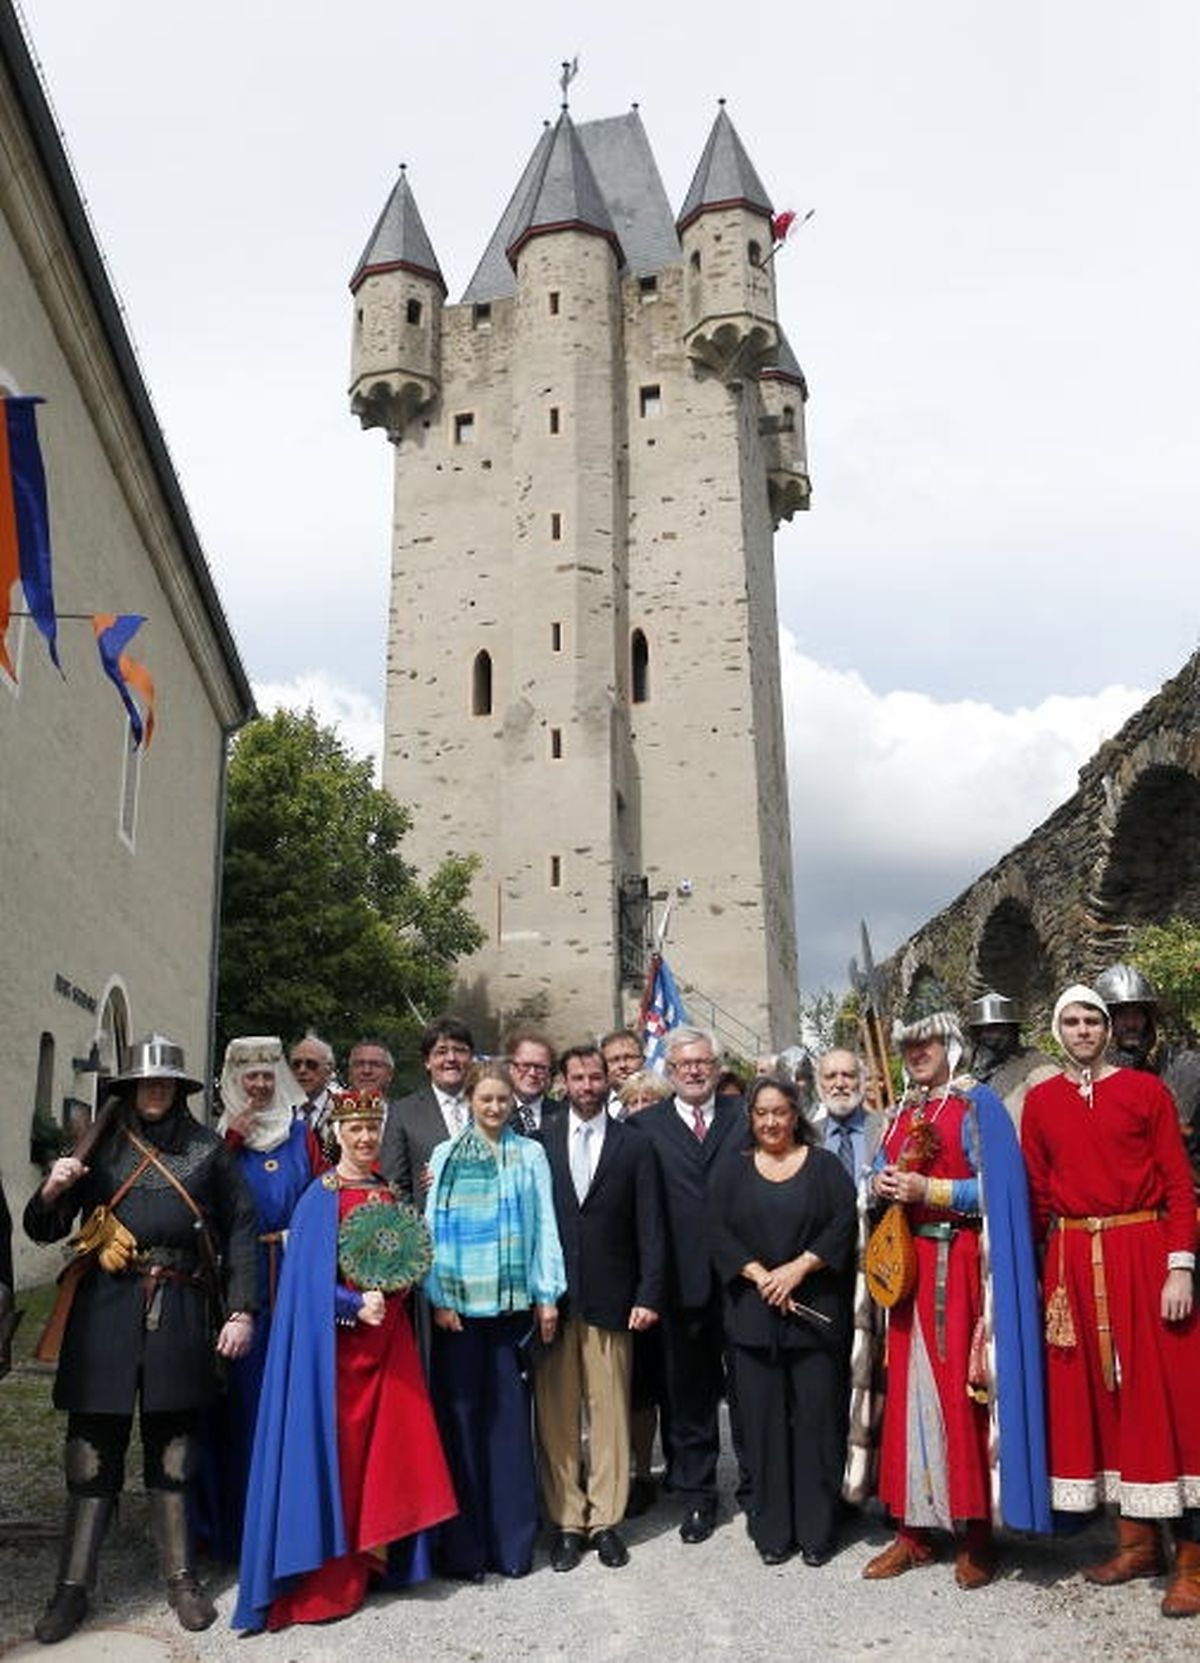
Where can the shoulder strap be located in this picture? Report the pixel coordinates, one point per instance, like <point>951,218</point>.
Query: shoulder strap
<point>151,1158</point>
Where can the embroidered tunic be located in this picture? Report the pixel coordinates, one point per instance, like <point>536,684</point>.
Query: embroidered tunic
<point>1136,1442</point>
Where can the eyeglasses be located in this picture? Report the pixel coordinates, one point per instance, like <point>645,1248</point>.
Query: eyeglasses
<point>529,1067</point>
<point>305,1062</point>
<point>692,1065</point>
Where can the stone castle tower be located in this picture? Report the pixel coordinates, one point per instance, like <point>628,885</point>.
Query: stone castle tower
<point>593,449</point>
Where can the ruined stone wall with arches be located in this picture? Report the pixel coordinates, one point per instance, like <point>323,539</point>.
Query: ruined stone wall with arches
<point>1122,852</point>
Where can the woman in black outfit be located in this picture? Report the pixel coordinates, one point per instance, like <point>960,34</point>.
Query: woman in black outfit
<point>784,1224</point>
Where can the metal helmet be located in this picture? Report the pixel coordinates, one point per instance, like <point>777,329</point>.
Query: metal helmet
<point>155,1058</point>
<point>1121,984</point>
<point>992,1007</point>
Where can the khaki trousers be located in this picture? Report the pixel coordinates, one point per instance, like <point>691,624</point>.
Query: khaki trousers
<point>586,1372</point>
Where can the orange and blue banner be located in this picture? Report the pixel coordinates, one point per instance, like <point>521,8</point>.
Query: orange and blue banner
<point>114,631</point>
<point>24,524</point>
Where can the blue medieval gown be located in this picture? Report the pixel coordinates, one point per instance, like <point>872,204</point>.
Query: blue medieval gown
<point>348,1470</point>
<point>277,1179</point>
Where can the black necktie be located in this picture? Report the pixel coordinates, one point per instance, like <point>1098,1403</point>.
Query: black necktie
<point>845,1148</point>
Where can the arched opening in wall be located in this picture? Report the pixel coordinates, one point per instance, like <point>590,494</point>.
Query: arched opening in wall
<point>1012,959</point>
<point>112,1038</point>
<point>45,1132</point>
<point>925,994</point>
<point>481,684</point>
<point>754,252</point>
<point>639,668</point>
<point>1152,872</point>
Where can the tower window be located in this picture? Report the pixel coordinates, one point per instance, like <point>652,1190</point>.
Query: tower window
<point>648,288</point>
<point>464,428</point>
<point>556,528</point>
<point>556,744</point>
<point>481,315</point>
<point>553,299</point>
<point>639,668</point>
<point>556,871</point>
<point>754,251</point>
<point>481,684</point>
<point>554,418</point>
<point>695,260</point>
<point>788,419</point>
<point>650,401</point>
<point>130,780</point>
<point>412,311</point>
<point>556,637</point>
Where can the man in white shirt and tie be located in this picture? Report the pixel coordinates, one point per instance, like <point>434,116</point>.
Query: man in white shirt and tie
<point>606,1204</point>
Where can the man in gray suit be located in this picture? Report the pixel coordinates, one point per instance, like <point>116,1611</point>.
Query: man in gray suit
<point>416,1124</point>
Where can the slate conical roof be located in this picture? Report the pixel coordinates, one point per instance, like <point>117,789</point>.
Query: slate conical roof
<point>624,168</point>
<point>786,366</point>
<point>561,193</point>
<point>399,241</point>
<point>725,177</point>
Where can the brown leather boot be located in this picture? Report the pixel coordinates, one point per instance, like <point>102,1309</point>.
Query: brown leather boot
<point>973,1566</point>
<point>910,1549</point>
<point>1182,1598</point>
<point>1139,1553</point>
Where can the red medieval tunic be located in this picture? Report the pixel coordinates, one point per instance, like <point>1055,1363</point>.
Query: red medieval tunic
<point>394,1479</point>
<point>1135,1442</point>
<point>933,1464</point>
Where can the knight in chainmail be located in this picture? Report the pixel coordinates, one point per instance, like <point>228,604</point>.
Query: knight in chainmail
<point>147,1321</point>
<point>999,1058</point>
<point>1138,1042</point>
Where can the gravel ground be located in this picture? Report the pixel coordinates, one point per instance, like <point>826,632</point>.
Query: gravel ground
<point>671,1603</point>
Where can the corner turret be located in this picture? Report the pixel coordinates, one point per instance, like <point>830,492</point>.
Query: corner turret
<point>398,289</point>
<point>784,394</point>
<point>729,284</point>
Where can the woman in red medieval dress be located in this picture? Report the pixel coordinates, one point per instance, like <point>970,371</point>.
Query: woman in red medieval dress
<point>1112,1195</point>
<point>348,1467</point>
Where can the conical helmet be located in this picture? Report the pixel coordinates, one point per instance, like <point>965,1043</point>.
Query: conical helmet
<point>1122,984</point>
<point>990,1008</point>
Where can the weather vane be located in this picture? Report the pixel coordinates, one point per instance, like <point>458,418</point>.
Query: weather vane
<point>569,72</point>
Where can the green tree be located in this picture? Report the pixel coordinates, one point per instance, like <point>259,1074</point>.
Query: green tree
<point>323,924</point>
<point>1170,955</point>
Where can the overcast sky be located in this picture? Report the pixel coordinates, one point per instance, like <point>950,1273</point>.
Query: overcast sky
<point>995,305</point>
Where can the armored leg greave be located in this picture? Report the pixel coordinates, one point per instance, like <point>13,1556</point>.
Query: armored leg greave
<point>168,1518</point>
<point>86,1521</point>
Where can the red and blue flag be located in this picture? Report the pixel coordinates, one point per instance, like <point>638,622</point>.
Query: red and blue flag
<point>114,631</point>
<point>24,524</point>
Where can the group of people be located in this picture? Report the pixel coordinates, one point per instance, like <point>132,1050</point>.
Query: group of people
<point>447,1320</point>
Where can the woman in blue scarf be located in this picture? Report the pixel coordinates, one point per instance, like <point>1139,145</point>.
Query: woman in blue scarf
<point>496,1279</point>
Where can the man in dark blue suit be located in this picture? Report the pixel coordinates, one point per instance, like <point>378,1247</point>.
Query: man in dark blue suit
<point>606,1202</point>
<point>691,1132</point>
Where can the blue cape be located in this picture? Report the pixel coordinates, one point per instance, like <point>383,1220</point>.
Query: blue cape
<point>294,1518</point>
<point>1017,1319</point>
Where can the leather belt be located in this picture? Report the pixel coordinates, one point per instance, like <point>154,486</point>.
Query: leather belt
<point>1095,1226</point>
<point>942,1231</point>
<point>272,1240</point>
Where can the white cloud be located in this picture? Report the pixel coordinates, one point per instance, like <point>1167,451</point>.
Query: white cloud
<point>899,800</point>
<point>356,717</point>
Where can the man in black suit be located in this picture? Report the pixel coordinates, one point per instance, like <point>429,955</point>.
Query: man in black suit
<point>691,1132</point>
<point>606,1202</point>
<point>531,1063</point>
<point>429,1115</point>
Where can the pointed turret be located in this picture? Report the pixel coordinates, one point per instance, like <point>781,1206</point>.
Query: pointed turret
<point>784,395</point>
<point>725,176</point>
<point>398,290</point>
<point>561,194</point>
<point>725,229</point>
